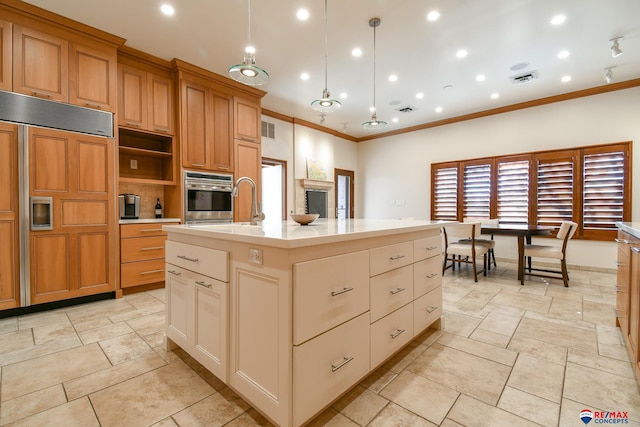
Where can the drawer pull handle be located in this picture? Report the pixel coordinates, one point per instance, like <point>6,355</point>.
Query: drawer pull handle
<point>175,273</point>
<point>41,95</point>
<point>96,106</point>
<point>397,333</point>
<point>187,258</point>
<point>396,291</point>
<point>621,241</point>
<point>135,125</point>
<point>153,248</point>
<point>341,364</point>
<point>149,230</point>
<point>430,248</point>
<point>161,129</point>
<point>342,291</point>
<point>197,164</point>
<point>396,257</point>
<point>617,289</point>
<point>202,283</point>
<point>151,272</point>
<point>618,263</point>
<point>431,309</point>
<point>431,275</point>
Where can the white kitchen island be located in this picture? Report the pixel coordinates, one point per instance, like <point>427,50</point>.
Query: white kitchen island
<point>291,316</point>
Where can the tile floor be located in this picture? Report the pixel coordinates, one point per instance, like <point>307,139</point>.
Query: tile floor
<point>509,355</point>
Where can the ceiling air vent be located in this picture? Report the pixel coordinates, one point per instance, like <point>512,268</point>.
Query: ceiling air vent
<point>524,78</point>
<point>406,109</point>
<point>268,130</point>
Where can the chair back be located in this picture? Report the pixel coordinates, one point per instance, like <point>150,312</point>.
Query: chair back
<point>479,222</point>
<point>465,230</point>
<point>567,227</point>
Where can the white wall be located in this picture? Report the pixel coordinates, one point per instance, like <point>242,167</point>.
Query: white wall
<point>394,179</point>
<point>281,148</point>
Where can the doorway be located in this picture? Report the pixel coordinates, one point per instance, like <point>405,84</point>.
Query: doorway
<point>274,188</point>
<point>344,193</point>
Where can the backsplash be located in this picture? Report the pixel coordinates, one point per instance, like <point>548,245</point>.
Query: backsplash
<point>149,193</point>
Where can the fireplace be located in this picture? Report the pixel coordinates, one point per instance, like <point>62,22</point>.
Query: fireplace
<point>316,202</point>
<point>315,196</point>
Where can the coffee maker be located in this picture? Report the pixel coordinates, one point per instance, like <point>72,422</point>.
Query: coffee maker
<point>129,206</point>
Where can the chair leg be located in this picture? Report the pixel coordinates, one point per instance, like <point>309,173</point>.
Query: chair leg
<point>444,263</point>
<point>565,274</point>
<point>493,255</point>
<point>485,259</point>
<point>475,271</point>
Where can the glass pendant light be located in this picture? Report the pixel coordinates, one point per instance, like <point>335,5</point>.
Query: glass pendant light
<point>248,72</point>
<point>325,104</point>
<point>374,123</point>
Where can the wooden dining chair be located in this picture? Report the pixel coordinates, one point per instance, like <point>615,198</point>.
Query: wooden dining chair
<point>465,252</point>
<point>559,252</point>
<point>490,243</point>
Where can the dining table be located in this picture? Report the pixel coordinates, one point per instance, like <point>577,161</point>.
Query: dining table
<point>522,232</point>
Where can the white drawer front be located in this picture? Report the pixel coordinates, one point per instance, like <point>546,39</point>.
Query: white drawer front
<point>328,292</point>
<point>427,309</point>
<point>426,275</point>
<point>390,291</point>
<point>387,258</point>
<point>328,365</point>
<point>390,333</point>
<point>427,247</point>
<point>210,262</point>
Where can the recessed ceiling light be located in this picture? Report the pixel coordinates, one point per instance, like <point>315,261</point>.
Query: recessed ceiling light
<point>495,95</point>
<point>481,77</point>
<point>356,52</point>
<point>563,54</point>
<point>302,14</point>
<point>438,109</point>
<point>433,15</point>
<point>419,95</point>
<point>461,53</point>
<point>167,9</point>
<point>304,76</point>
<point>566,79</point>
<point>394,120</point>
<point>393,78</point>
<point>343,95</point>
<point>558,19</point>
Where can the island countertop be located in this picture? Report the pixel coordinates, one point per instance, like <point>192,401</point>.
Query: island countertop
<point>632,228</point>
<point>289,234</point>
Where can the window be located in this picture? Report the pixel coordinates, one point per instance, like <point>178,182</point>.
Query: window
<point>588,185</point>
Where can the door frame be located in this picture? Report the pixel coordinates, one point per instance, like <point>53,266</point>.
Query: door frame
<point>266,161</point>
<point>350,174</point>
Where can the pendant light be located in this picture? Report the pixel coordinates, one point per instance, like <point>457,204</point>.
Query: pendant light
<point>374,123</point>
<point>248,72</point>
<point>325,104</point>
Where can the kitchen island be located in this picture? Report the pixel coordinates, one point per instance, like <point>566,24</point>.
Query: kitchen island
<point>291,316</point>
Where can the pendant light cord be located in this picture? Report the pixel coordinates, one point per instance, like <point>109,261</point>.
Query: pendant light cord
<point>374,68</point>
<point>325,45</point>
<point>248,23</point>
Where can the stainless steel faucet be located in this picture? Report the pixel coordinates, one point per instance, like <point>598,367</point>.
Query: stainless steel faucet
<point>255,215</point>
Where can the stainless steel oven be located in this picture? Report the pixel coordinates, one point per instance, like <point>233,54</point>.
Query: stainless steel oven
<point>207,197</point>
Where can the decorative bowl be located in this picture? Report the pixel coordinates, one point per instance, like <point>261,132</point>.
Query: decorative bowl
<point>304,219</point>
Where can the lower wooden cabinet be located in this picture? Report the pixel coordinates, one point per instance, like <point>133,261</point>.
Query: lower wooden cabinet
<point>628,296</point>
<point>141,254</point>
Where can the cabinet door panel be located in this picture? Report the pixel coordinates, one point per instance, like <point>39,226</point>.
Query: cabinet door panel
<point>50,254</point>
<point>132,102</point>
<point>93,260</point>
<point>210,326</point>
<point>8,265</point>
<point>248,162</point>
<point>222,139</point>
<point>247,119</point>
<point>41,64</point>
<point>92,77</point>
<point>9,211</point>
<point>195,132</point>
<point>6,81</point>
<point>177,310</point>
<point>49,161</point>
<point>160,109</point>
<point>92,174</point>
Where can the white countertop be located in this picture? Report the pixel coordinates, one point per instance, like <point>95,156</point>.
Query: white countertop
<point>289,234</point>
<point>148,220</point>
<point>632,228</point>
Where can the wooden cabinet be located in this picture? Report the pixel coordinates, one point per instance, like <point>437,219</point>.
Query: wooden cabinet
<point>9,218</point>
<point>197,308</point>
<point>206,120</point>
<point>142,254</point>
<point>248,162</point>
<point>93,77</point>
<point>623,282</point>
<point>247,119</point>
<point>40,64</point>
<point>6,72</point>
<point>628,295</point>
<point>145,100</point>
<point>77,256</point>
<point>634,308</point>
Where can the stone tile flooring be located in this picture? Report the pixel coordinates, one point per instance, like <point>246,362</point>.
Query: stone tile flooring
<point>508,355</point>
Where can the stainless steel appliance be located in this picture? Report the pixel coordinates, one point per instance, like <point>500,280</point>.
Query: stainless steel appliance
<point>207,197</point>
<point>129,206</point>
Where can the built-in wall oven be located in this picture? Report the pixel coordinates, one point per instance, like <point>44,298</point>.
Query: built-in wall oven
<point>207,197</point>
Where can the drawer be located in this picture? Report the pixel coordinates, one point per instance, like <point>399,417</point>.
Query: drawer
<point>142,272</point>
<point>427,247</point>
<point>390,291</point>
<point>426,275</point>
<point>427,309</point>
<point>328,365</point>
<point>210,262</point>
<point>391,333</point>
<point>328,292</point>
<point>142,248</point>
<point>387,258</point>
<point>142,230</point>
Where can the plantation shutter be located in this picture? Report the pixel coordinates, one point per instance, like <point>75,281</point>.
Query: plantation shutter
<point>444,186</point>
<point>513,192</point>
<point>603,190</point>
<point>477,191</point>
<point>555,191</point>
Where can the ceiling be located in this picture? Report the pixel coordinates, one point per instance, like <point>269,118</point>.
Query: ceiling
<point>498,35</point>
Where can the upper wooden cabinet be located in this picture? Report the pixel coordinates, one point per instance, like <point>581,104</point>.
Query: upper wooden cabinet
<point>145,100</point>
<point>92,77</point>
<point>247,119</point>
<point>6,81</point>
<point>40,64</point>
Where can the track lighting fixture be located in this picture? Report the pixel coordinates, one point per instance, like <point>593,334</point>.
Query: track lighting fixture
<point>325,104</point>
<point>608,76</point>
<point>248,72</point>
<point>615,47</point>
